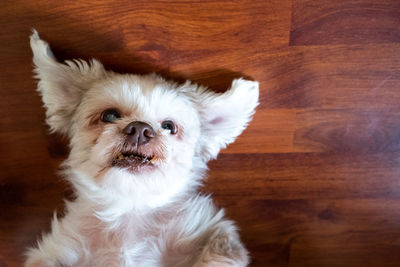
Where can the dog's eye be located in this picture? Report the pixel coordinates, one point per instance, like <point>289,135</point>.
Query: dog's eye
<point>169,125</point>
<point>110,115</point>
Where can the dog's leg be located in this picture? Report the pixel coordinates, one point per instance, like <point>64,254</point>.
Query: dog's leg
<point>224,248</point>
<point>61,247</point>
<point>38,258</point>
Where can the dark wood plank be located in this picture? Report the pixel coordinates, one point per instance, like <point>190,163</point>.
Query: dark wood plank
<point>339,76</point>
<point>348,130</point>
<point>319,232</point>
<point>344,22</point>
<point>306,175</point>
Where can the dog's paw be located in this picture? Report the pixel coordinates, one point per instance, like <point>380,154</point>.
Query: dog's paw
<point>38,263</point>
<point>36,258</point>
<point>223,251</point>
<point>219,262</point>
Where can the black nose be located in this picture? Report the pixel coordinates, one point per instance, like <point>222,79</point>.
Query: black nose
<point>139,132</point>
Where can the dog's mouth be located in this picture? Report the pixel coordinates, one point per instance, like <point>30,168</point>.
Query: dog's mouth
<point>133,160</point>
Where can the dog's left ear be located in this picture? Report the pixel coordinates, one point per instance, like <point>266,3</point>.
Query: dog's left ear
<point>61,85</point>
<point>224,116</point>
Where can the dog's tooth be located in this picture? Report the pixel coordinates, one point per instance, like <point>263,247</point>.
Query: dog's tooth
<point>153,160</point>
<point>131,156</point>
<point>120,156</point>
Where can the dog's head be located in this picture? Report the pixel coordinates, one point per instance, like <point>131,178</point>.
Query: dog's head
<point>131,131</point>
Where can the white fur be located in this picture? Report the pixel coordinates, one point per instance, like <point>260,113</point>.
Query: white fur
<point>146,218</point>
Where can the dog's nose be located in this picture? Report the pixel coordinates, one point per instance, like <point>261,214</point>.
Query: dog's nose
<point>139,132</point>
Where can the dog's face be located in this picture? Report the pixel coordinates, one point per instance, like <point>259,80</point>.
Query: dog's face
<point>139,124</point>
<point>131,132</point>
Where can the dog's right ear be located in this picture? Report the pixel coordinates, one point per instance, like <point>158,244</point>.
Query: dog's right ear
<point>61,85</point>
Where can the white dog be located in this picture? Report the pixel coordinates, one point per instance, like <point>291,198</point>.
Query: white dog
<point>138,151</point>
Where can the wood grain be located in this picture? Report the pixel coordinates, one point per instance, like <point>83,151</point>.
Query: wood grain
<point>313,181</point>
<point>344,22</point>
<point>305,176</point>
<point>319,232</point>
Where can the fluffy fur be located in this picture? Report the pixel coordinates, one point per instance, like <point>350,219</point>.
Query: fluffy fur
<point>138,217</point>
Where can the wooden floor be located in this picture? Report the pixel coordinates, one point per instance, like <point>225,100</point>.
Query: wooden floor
<point>315,179</point>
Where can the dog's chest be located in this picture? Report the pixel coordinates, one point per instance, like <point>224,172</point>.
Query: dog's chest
<point>126,251</point>
<point>156,242</point>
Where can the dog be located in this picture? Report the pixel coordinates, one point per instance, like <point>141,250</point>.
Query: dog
<point>139,145</point>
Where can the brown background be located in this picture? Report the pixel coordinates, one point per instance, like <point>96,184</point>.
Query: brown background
<point>314,180</point>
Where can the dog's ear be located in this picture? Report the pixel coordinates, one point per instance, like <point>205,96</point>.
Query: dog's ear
<point>61,85</point>
<point>224,116</point>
